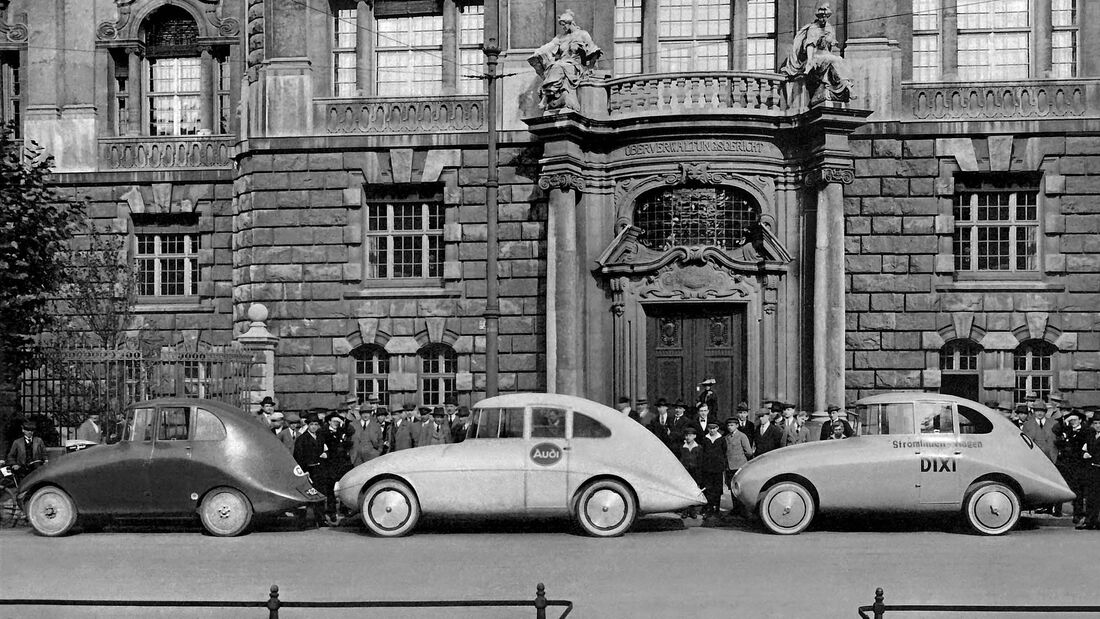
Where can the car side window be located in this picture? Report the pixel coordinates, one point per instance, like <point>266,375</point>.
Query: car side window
<point>883,419</point>
<point>587,427</point>
<point>935,418</point>
<point>973,422</point>
<point>139,425</point>
<point>496,423</point>
<point>547,422</point>
<point>207,427</point>
<point>511,423</point>
<point>174,423</point>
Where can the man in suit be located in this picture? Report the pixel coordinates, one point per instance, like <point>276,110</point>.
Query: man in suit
<point>1041,429</point>
<point>768,436</point>
<point>642,414</point>
<point>279,429</point>
<point>712,467</point>
<point>90,430</point>
<point>798,432</point>
<point>402,429</point>
<point>1070,441</point>
<point>366,443</point>
<point>708,397</point>
<point>27,453</point>
<point>660,423</point>
<point>461,424</point>
<point>834,418</point>
<point>289,435</point>
<point>1090,458</point>
<point>738,453</point>
<point>309,453</point>
<point>786,419</point>
<point>435,431</point>
<point>450,407</point>
<point>624,407</point>
<point>745,426</point>
<point>267,407</point>
<point>680,421</point>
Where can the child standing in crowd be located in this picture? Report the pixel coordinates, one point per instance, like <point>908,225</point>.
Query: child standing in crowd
<point>689,456</point>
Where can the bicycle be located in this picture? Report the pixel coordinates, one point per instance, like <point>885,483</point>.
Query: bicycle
<point>11,513</point>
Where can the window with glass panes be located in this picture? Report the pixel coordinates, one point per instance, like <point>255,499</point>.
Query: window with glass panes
<point>10,95</point>
<point>760,45</point>
<point>409,55</point>
<point>403,237</point>
<point>167,264</point>
<point>693,35</point>
<point>1063,53</point>
<point>225,107</point>
<point>372,370</point>
<point>438,366</point>
<point>174,95</point>
<point>960,356</point>
<point>628,37</point>
<point>994,39</point>
<point>1033,363</point>
<point>996,229</point>
<point>926,40</point>
<point>345,31</point>
<point>471,60</point>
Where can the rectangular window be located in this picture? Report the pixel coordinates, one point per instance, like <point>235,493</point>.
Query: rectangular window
<point>628,37</point>
<point>1063,53</point>
<point>221,95</point>
<point>996,229</point>
<point>372,369</point>
<point>409,55</point>
<point>404,238</point>
<point>926,40</point>
<point>760,46</point>
<point>167,264</point>
<point>994,40</point>
<point>471,60</point>
<point>10,91</point>
<point>345,30</point>
<point>438,365</point>
<point>693,35</point>
<point>175,91</point>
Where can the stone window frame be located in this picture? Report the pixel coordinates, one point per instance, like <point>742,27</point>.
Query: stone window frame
<point>191,243</point>
<point>436,384</point>
<point>430,193</point>
<point>737,39</point>
<point>965,184</point>
<point>1050,373</point>
<point>379,381</point>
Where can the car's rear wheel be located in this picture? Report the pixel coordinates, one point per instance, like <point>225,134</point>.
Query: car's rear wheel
<point>225,512</point>
<point>787,508</point>
<point>51,511</point>
<point>605,508</point>
<point>389,508</point>
<point>991,508</point>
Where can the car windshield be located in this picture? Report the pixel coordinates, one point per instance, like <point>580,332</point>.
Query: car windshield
<point>889,418</point>
<point>139,425</point>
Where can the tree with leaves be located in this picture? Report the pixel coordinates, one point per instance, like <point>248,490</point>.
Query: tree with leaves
<point>36,225</point>
<point>100,291</point>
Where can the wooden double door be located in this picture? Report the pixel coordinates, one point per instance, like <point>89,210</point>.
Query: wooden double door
<point>687,344</point>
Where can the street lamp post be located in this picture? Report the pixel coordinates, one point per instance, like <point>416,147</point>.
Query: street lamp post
<point>492,302</point>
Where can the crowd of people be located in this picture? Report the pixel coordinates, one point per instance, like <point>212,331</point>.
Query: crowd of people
<point>328,443</point>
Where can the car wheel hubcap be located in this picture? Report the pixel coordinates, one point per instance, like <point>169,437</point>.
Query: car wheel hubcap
<point>787,509</point>
<point>227,511</point>
<point>53,513</point>
<point>993,509</point>
<point>390,509</point>
<point>606,509</point>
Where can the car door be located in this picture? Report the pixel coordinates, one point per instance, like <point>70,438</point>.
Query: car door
<point>936,453</point>
<point>170,467</point>
<point>547,462</point>
<point>878,457</point>
<point>485,473</point>
<point>122,484</point>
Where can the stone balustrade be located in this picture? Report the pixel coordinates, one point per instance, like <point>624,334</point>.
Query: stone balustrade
<point>766,94</point>
<point>166,152</point>
<point>390,115</point>
<point>1007,100</point>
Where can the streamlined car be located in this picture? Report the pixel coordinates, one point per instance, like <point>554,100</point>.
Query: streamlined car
<point>913,452</point>
<point>175,457</point>
<point>524,454</point>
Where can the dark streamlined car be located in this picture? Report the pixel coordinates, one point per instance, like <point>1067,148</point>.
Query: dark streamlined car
<point>172,457</point>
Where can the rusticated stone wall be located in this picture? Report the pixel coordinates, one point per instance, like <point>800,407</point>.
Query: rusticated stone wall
<point>904,300</point>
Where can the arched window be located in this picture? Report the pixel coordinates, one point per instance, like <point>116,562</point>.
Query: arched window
<point>1034,369</point>
<point>721,216</point>
<point>372,369</point>
<point>438,365</point>
<point>959,373</point>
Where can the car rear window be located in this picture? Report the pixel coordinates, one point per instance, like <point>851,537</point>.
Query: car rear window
<point>973,422</point>
<point>587,427</point>
<point>547,422</point>
<point>496,423</point>
<point>207,427</point>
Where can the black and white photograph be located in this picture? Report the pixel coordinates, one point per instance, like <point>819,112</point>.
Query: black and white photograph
<point>486,309</point>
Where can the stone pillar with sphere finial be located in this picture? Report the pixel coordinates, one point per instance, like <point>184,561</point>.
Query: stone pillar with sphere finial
<point>262,343</point>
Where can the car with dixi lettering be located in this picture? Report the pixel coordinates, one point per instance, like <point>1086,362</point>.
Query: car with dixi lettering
<point>173,458</point>
<point>912,452</point>
<point>527,454</point>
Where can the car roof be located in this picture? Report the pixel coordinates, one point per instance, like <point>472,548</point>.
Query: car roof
<point>228,413</point>
<point>909,396</point>
<point>600,412</point>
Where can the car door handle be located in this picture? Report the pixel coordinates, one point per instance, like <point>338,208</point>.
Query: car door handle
<point>565,448</point>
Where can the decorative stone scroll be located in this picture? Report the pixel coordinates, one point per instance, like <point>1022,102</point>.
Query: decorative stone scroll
<point>254,33</point>
<point>562,180</point>
<point>829,174</point>
<point>11,33</point>
<point>122,28</point>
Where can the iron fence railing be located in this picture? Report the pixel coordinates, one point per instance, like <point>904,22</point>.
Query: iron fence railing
<point>273,604</point>
<point>879,609</point>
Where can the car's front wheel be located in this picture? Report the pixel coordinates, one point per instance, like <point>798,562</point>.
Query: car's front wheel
<point>787,508</point>
<point>389,508</point>
<point>225,512</point>
<point>605,508</point>
<point>991,508</point>
<point>51,511</point>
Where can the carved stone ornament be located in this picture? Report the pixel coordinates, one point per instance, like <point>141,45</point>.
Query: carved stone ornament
<point>121,28</point>
<point>830,174</point>
<point>11,33</point>
<point>694,282</point>
<point>561,180</point>
<point>696,173</point>
<point>254,27</point>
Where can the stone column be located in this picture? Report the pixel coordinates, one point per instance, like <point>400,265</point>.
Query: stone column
<point>829,282</point>
<point>133,90</point>
<point>364,58</point>
<point>207,88</point>
<point>949,41</point>
<point>1043,39</point>
<point>285,96</point>
<point>874,54</point>
<point>564,327</point>
<point>262,343</point>
<point>450,42</point>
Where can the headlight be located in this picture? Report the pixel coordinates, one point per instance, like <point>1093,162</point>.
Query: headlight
<point>298,472</point>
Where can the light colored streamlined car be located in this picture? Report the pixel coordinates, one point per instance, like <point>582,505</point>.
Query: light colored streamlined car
<point>527,454</point>
<point>913,452</point>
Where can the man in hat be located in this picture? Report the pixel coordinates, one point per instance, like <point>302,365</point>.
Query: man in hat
<point>660,423</point>
<point>309,453</point>
<point>434,431</point>
<point>690,454</point>
<point>402,428</point>
<point>267,408</point>
<point>744,425</point>
<point>26,453</point>
<point>293,430</point>
<point>1041,428</point>
<point>738,450</point>
<point>798,432</point>
<point>1070,442</point>
<point>712,467</point>
<point>461,424</point>
<point>834,417</point>
<point>90,430</point>
<point>1090,458</point>
<point>708,397</point>
<point>450,407</point>
<point>786,422</point>
<point>624,406</point>
<point>351,413</point>
<point>679,421</point>
<point>642,414</point>
<point>367,440</point>
<point>768,436</point>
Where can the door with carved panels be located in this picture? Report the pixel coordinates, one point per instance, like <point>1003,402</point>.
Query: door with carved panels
<point>687,344</point>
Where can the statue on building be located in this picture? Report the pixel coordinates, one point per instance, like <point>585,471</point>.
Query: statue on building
<point>562,63</point>
<point>816,56</point>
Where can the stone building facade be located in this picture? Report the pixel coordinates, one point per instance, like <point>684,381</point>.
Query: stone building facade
<point>701,216</point>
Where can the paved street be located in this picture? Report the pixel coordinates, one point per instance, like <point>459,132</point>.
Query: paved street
<point>661,569</point>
